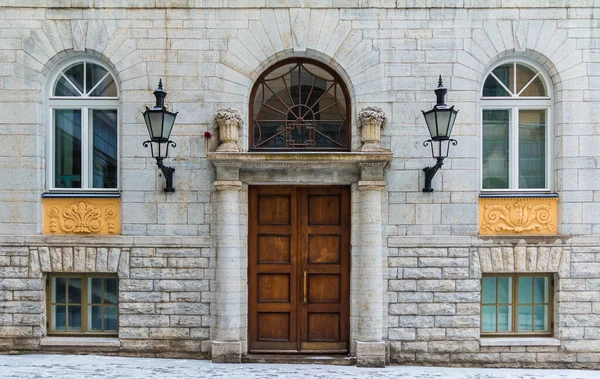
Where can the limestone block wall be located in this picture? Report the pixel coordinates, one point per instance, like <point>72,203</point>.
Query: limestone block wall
<point>164,294</point>
<point>434,302</point>
<point>389,53</point>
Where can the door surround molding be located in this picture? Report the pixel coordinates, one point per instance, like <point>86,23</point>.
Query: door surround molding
<point>364,171</point>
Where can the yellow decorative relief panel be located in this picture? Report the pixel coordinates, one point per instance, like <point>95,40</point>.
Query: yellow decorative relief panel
<point>82,216</point>
<point>518,216</point>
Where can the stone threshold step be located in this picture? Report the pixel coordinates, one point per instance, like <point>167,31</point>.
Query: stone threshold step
<point>338,360</point>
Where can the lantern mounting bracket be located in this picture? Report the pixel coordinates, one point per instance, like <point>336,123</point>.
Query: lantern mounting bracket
<point>430,173</point>
<point>166,170</point>
<point>167,173</point>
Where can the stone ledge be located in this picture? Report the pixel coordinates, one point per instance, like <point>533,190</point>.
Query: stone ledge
<point>299,160</point>
<point>80,343</point>
<point>491,241</point>
<point>516,341</point>
<point>107,241</point>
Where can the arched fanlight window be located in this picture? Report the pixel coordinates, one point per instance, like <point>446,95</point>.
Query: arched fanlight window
<point>83,153</point>
<point>299,104</point>
<point>516,112</point>
<point>85,79</point>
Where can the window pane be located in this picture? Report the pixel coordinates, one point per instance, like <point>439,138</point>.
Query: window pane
<point>59,317</point>
<point>75,75</point>
<point>488,318</point>
<point>495,148</point>
<point>536,88</point>
<point>525,288</point>
<point>75,290</point>
<point>107,88</point>
<point>111,295</point>
<point>59,290</point>
<point>505,73</point>
<point>488,289</point>
<point>67,148</point>
<point>532,148</point>
<point>104,159</point>
<point>95,318</point>
<point>540,316</point>
<point>504,319</point>
<point>110,318</point>
<point>540,290</point>
<point>525,318</point>
<point>492,88</point>
<point>93,73</point>
<point>95,291</point>
<point>74,318</point>
<point>65,88</point>
<point>524,75</point>
<point>504,290</point>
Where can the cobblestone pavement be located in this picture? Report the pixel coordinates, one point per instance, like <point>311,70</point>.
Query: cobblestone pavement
<point>90,366</point>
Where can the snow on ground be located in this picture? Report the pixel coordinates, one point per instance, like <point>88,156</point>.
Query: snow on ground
<point>91,366</point>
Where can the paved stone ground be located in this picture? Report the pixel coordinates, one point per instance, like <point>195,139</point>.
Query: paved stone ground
<point>90,366</point>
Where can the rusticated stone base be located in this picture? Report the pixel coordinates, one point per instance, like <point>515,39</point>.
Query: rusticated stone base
<point>227,352</point>
<point>370,354</point>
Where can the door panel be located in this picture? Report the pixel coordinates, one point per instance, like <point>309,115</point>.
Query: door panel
<point>324,246</point>
<point>272,269</point>
<point>299,244</point>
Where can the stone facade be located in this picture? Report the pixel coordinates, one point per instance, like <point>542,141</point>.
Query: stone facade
<point>417,258</point>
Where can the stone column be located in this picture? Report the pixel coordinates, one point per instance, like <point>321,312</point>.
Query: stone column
<point>367,279</point>
<point>371,120</point>
<point>230,293</point>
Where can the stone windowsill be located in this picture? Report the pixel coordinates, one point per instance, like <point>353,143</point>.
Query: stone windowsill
<point>81,343</point>
<point>518,341</point>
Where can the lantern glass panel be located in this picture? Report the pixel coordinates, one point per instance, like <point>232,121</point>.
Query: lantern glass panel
<point>156,124</point>
<point>443,120</point>
<point>431,123</point>
<point>169,120</point>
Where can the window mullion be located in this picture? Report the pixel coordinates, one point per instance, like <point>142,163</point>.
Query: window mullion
<point>515,296</point>
<point>514,133</point>
<point>84,325</point>
<point>84,148</point>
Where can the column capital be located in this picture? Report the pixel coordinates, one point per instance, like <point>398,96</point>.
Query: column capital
<point>371,185</point>
<point>227,185</point>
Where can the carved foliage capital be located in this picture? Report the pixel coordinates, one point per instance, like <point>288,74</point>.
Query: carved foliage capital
<point>228,185</point>
<point>372,115</point>
<point>228,121</point>
<point>371,185</point>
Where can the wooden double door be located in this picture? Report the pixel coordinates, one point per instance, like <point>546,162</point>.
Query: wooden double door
<point>299,266</point>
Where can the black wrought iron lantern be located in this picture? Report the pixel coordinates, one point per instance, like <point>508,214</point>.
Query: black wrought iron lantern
<point>440,121</point>
<point>159,122</point>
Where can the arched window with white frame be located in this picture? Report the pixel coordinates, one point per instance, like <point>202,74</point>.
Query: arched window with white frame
<point>84,127</point>
<point>516,117</point>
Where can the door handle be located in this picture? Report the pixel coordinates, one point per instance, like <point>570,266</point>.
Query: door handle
<point>305,273</point>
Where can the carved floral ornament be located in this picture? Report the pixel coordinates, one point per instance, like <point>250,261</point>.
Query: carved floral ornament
<point>82,216</point>
<point>371,120</point>
<point>520,216</point>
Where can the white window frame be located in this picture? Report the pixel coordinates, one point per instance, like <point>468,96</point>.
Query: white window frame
<point>514,103</point>
<point>83,103</point>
